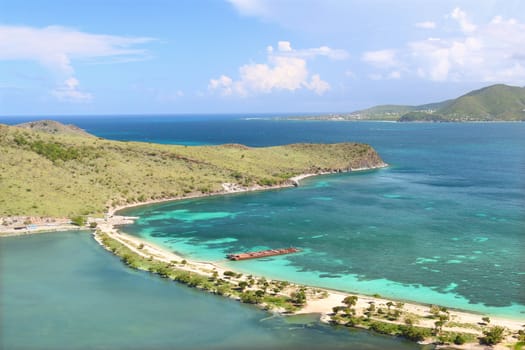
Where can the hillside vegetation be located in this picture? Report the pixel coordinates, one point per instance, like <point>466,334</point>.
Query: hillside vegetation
<point>69,173</point>
<point>492,103</point>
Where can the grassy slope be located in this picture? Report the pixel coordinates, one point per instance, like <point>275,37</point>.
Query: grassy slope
<point>84,175</point>
<point>496,102</point>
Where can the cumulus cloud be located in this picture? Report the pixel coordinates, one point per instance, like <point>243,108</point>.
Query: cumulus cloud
<point>56,48</point>
<point>489,52</point>
<point>285,69</point>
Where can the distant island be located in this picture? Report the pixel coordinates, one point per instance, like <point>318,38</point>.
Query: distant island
<point>493,103</point>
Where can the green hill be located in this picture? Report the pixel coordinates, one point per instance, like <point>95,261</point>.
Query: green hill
<point>493,103</point>
<point>58,173</point>
<point>496,102</point>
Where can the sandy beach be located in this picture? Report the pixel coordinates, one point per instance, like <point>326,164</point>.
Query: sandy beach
<point>460,321</point>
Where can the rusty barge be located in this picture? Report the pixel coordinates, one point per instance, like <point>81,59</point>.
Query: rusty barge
<point>262,253</point>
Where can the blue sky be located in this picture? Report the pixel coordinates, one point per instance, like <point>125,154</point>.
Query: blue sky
<point>251,56</point>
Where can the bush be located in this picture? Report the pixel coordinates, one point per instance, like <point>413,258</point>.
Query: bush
<point>414,333</point>
<point>493,336</point>
<point>78,220</point>
<point>384,328</point>
<point>459,339</point>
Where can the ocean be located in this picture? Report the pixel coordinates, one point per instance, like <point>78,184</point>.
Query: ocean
<point>443,224</point>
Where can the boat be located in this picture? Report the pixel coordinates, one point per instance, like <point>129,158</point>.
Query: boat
<point>261,253</point>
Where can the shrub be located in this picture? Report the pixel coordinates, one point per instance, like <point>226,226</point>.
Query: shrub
<point>384,328</point>
<point>493,335</point>
<point>415,333</point>
<point>78,220</point>
<point>459,339</point>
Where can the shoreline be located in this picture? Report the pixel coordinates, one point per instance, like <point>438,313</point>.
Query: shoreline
<point>322,300</point>
<point>229,188</point>
<point>323,306</point>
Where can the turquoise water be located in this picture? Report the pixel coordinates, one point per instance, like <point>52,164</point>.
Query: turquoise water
<point>443,224</point>
<point>63,291</point>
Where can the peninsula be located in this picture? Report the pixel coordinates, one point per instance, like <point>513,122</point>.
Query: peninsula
<point>52,170</point>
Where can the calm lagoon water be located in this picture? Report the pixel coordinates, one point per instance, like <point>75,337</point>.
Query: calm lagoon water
<point>63,291</point>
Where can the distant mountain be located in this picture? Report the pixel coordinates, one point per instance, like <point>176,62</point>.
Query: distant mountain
<point>54,127</point>
<point>496,102</point>
<point>493,103</point>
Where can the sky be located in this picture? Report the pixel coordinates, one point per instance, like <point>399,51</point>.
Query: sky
<point>89,57</point>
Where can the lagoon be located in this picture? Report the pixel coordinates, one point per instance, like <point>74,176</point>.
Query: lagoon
<point>63,291</point>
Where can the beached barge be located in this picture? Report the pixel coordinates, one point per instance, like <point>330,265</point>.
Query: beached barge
<point>262,253</point>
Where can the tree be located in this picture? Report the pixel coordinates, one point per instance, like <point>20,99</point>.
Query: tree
<point>243,285</point>
<point>298,298</point>
<point>389,305</point>
<point>486,319</point>
<point>350,300</point>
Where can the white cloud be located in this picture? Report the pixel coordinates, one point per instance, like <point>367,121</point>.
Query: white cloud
<point>318,85</point>
<point>426,25</point>
<point>285,48</point>
<point>489,52</point>
<point>56,47</point>
<point>381,58</point>
<point>68,91</point>
<point>461,16</point>
<point>285,69</point>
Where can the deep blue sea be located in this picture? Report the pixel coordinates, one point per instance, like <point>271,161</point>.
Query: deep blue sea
<point>444,224</point>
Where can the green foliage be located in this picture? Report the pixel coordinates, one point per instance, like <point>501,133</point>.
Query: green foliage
<point>350,300</point>
<point>249,297</point>
<point>298,298</point>
<point>415,333</point>
<point>78,220</point>
<point>384,328</point>
<point>493,335</point>
<point>422,117</point>
<point>459,339</point>
<point>55,151</point>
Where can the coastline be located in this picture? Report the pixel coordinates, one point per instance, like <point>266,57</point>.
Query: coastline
<point>466,322</point>
<point>319,300</point>
<point>18,227</point>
